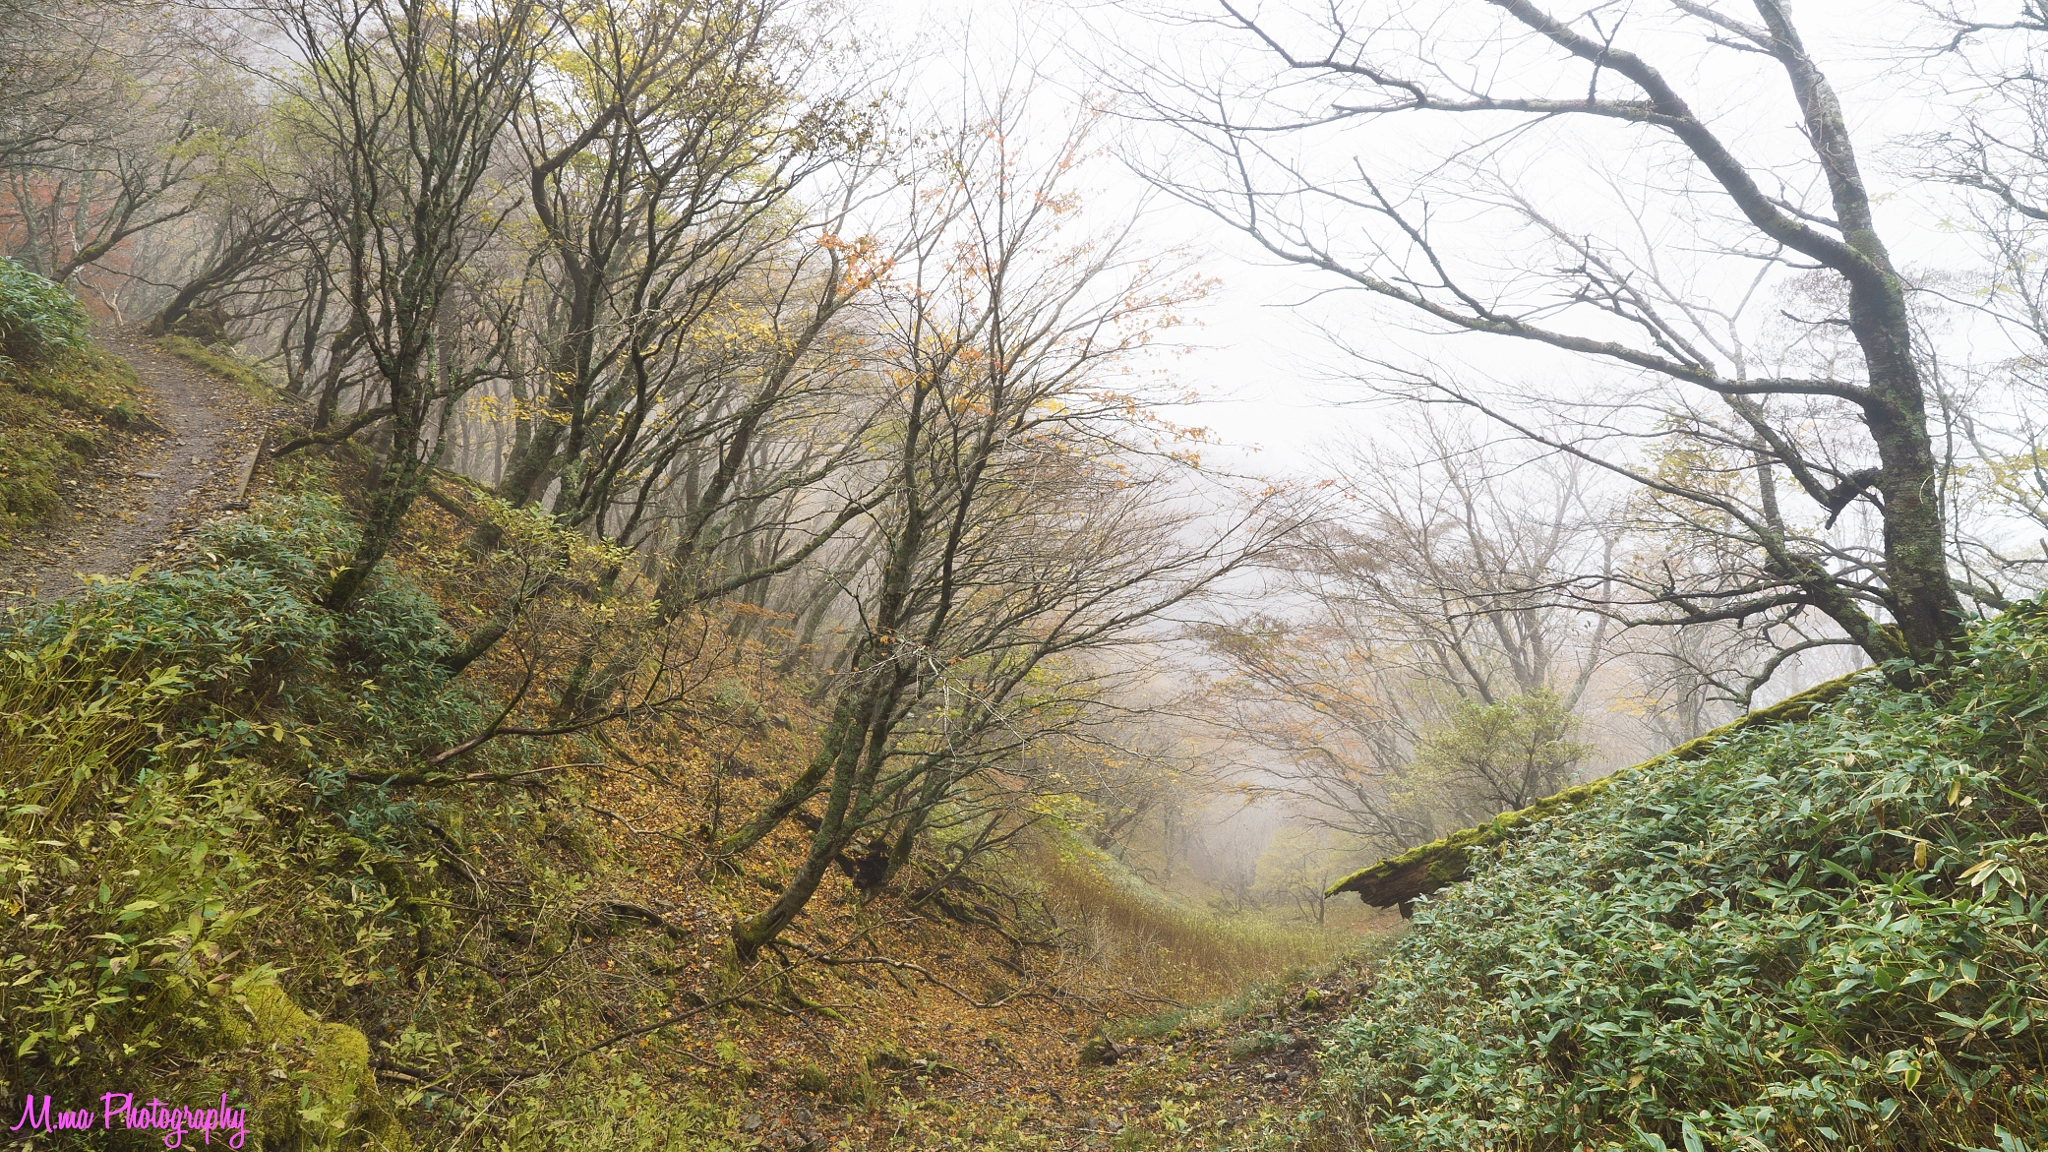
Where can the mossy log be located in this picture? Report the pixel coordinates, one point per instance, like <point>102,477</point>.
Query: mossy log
<point>1397,881</point>
<point>333,1104</point>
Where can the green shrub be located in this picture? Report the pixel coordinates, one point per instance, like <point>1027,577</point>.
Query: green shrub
<point>172,744</point>
<point>122,863</point>
<point>39,320</point>
<point>298,538</point>
<point>1831,934</point>
<point>143,818</point>
<point>243,624</point>
<point>186,838</point>
<point>233,625</point>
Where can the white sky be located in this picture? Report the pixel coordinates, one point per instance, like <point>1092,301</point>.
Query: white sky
<point>1271,379</point>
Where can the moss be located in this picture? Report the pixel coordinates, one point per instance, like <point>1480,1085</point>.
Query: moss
<point>810,1077</point>
<point>224,363</point>
<point>888,1058</point>
<point>53,418</point>
<point>1424,869</point>
<point>332,1100</point>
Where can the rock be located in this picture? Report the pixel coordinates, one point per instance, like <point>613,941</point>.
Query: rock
<point>342,1111</point>
<point>1100,1051</point>
<point>888,1059</point>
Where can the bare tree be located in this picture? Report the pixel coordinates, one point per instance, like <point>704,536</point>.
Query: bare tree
<point>52,92</point>
<point>117,128</point>
<point>1993,150</point>
<point>403,108</point>
<point>1489,96</point>
<point>1462,556</point>
<point>1431,578</point>
<point>1021,530</point>
<point>247,239</point>
<point>661,165</point>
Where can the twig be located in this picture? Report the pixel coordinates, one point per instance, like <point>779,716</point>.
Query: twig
<point>907,966</point>
<point>425,778</point>
<point>610,815</point>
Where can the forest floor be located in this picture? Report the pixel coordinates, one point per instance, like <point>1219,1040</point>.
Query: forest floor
<point>973,1022</point>
<point>132,504</point>
<point>1235,1072</point>
<point>918,1034</point>
<point>909,1030</point>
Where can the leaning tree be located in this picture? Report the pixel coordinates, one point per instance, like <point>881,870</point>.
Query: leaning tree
<point>1499,168</point>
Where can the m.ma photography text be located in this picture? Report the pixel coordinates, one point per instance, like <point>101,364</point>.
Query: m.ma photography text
<point>119,1110</point>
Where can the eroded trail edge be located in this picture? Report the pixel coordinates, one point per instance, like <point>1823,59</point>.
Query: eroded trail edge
<point>131,506</point>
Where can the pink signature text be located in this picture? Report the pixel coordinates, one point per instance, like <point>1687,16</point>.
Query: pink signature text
<point>119,1110</point>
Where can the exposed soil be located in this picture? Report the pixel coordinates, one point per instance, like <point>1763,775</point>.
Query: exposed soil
<point>1229,1075</point>
<point>131,506</point>
<point>1222,1076</point>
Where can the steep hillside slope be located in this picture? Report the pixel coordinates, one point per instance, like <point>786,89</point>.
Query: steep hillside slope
<point>62,403</point>
<point>1824,934</point>
<point>232,866</point>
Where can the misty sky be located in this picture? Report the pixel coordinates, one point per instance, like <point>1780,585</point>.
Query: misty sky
<point>1273,381</point>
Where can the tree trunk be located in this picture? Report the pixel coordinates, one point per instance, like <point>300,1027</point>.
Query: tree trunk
<point>856,757</point>
<point>844,725</point>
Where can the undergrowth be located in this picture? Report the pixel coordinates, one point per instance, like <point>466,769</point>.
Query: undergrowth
<point>184,827</point>
<point>200,831</point>
<point>148,774</point>
<point>223,363</point>
<point>60,399</point>
<point>1219,951</point>
<point>1828,935</point>
<point>40,321</point>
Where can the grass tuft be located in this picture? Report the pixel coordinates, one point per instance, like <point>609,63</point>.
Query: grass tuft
<point>224,363</point>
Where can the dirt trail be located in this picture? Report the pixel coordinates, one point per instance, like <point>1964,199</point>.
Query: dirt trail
<point>130,507</point>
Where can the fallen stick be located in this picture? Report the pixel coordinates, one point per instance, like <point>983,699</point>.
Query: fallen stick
<point>248,471</point>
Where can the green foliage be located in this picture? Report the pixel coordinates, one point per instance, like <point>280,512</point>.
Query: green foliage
<point>1827,934</point>
<point>141,845</point>
<point>177,823</point>
<point>200,895</point>
<point>39,320</point>
<point>227,625</point>
<point>1490,758</point>
<point>31,459</point>
<point>123,861</point>
<point>224,363</point>
<point>244,623</point>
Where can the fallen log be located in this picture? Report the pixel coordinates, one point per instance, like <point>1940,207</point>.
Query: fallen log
<point>1397,881</point>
